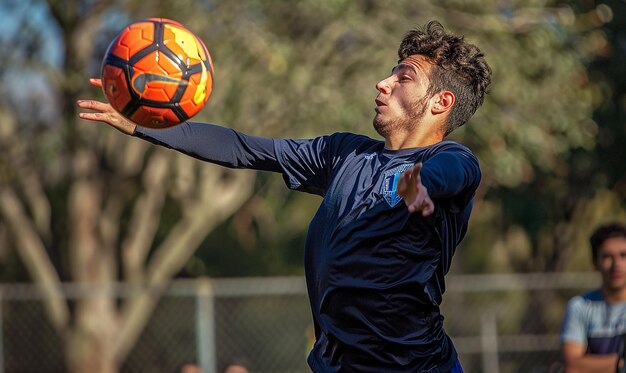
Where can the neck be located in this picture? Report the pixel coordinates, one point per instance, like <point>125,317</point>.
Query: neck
<point>414,139</point>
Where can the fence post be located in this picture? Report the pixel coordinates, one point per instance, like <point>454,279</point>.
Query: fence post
<point>489,341</point>
<point>1,335</point>
<point>205,326</point>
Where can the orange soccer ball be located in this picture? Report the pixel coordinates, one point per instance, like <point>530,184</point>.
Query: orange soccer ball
<point>157,73</point>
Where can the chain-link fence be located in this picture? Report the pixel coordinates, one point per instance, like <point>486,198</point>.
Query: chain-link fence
<point>499,323</point>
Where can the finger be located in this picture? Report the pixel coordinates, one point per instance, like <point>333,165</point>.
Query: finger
<point>96,81</point>
<point>94,116</point>
<point>429,208</point>
<point>93,105</point>
<point>416,205</point>
<point>415,172</point>
<point>425,207</point>
<point>403,183</point>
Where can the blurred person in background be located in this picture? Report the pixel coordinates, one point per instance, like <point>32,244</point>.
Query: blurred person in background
<point>237,364</point>
<point>236,368</point>
<point>393,211</point>
<point>189,368</point>
<point>594,322</point>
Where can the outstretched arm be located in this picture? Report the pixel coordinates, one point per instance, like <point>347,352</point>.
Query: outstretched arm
<point>207,142</point>
<point>103,112</point>
<point>414,193</point>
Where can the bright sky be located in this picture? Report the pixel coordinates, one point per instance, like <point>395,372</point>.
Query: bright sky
<point>35,14</point>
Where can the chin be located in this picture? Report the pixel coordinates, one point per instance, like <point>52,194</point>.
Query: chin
<point>618,286</point>
<point>381,127</point>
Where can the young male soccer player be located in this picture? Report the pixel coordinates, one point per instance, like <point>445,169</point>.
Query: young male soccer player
<point>374,266</point>
<point>594,323</point>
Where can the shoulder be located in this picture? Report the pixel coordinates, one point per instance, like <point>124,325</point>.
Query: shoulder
<point>590,299</point>
<point>450,147</point>
<point>337,139</point>
<point>451,153</point>
<point>452,156</point>
<point>344,144</point>
<point>352,139</point>
<point>594,295</point>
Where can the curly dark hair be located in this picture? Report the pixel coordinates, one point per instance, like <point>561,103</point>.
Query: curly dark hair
<point>458,66</point>
<point>603,233</point>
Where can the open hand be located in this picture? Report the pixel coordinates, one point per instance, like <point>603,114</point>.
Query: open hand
<point>414,193</point>
<point>104,112</point>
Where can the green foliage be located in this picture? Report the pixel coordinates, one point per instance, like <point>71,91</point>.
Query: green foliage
<point>567,178</point>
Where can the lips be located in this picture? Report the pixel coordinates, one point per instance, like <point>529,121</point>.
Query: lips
<point>617,277</point>
<point>379,104</point>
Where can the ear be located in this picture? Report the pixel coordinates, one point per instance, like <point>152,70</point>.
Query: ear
<point>443,102</point>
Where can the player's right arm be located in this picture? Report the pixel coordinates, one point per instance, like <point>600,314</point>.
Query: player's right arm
<point>103,112</point>
<point>576,359</point>
<point>207,142</point>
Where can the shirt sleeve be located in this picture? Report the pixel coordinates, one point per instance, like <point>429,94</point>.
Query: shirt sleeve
<point>307,165</point>
<point>216,144</point>
<point>453,173</point>
<point>573,327</point>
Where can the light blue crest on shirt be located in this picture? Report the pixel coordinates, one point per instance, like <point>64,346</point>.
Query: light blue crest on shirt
<point>390,184</point>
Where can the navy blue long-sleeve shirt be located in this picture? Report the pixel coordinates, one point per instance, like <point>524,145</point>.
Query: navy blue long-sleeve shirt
<point>375,273</point>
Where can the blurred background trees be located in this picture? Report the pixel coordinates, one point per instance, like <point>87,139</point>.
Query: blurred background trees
<point>82,203</point>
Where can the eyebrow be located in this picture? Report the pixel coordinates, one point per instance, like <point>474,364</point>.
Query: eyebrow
<point>403,66</point>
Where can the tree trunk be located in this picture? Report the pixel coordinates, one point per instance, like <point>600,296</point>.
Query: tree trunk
<point>90,347</point>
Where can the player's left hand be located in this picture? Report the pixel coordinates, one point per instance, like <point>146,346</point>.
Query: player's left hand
<point>414,193</point>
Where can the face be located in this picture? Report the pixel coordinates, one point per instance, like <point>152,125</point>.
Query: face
<point>402,100</point>
<point>611,262</point>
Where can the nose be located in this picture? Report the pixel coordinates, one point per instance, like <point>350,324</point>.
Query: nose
<point>383,86</point>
